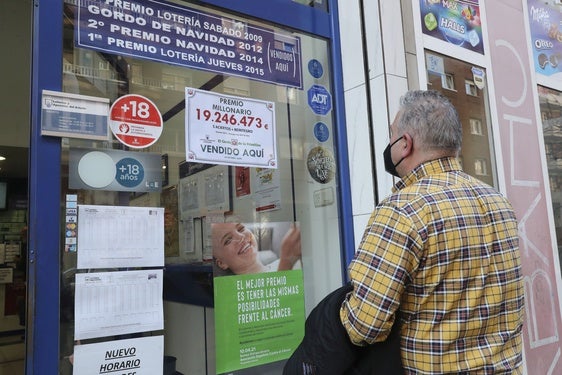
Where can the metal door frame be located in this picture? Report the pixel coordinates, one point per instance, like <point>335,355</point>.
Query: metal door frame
<point>42,341</point>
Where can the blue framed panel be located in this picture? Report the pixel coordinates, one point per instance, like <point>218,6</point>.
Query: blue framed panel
<point>42,344</point>
<point>346,209</point>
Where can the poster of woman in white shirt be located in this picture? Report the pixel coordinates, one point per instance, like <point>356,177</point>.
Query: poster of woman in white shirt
<point>240,248</point>
<point>258,295</point>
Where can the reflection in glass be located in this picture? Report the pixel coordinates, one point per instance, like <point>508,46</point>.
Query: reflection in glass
<point>551,114</point>
<point>472,106</point>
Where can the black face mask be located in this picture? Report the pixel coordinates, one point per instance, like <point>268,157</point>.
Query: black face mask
<point>389,166</point>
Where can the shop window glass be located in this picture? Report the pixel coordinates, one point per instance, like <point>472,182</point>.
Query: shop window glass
<point>472,106</point>
<point>301,189</point>
<point>551,111</point>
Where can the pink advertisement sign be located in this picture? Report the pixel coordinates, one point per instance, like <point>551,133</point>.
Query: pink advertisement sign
<point>524,173</point>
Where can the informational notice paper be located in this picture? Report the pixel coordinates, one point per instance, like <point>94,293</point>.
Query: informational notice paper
<point>266,186</point>
<point>141,356</point>
<point>76,116</point>
<point>119,236</point>
<point>6,275</point>
<point>117,303</point>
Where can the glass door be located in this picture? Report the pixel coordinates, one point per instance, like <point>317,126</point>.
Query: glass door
<point>15,21</point>
<point>264,93</point>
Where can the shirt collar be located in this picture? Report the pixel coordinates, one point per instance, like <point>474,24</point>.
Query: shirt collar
<point>431,167</point>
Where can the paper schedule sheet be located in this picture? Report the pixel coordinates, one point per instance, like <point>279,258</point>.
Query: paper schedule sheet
<point>117,303</point>
<point>120,236</point>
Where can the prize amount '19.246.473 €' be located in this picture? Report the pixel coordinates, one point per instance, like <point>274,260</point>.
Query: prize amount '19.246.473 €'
<point>229,118</point>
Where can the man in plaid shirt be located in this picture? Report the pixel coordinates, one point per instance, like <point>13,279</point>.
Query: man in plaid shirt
<point>442,251</point>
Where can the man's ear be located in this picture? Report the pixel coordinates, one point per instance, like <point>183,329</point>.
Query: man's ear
<point>407,145</point>
<point>221,264</point>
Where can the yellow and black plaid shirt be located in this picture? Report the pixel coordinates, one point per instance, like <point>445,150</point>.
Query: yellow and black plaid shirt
<point>443,248</point>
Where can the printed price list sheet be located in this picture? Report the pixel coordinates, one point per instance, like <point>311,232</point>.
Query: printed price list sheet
<point>119,236</point>
<point>116,303</point>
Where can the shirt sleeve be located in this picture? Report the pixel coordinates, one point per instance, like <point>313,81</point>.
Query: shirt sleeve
<point>382,266</point>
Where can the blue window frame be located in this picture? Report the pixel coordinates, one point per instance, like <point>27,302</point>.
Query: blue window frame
<point>42,352</point>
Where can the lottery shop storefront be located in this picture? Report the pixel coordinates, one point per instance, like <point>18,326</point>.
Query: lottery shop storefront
<point>155,126</point>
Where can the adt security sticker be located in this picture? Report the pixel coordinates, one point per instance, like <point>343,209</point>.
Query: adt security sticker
<point>319,100</point>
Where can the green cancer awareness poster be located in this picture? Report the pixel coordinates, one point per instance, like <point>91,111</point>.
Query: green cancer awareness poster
<point>259,318</point>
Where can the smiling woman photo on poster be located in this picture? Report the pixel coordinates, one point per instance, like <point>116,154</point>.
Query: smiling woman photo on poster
<point>240,248</point>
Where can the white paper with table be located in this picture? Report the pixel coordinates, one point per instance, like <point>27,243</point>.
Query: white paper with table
<point>118,303</point>
<point>120,236</point>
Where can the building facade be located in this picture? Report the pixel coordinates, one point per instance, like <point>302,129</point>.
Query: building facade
<point>505,87</point>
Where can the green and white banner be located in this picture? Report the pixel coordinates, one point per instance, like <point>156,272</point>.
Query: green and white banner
<point>259,318</point>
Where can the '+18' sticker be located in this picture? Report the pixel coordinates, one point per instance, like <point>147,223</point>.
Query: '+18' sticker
<point>130,172</point>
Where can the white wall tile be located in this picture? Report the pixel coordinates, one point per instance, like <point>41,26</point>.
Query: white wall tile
<point>373,37</point>
<point>381,121</point>
<point>408,26</point>
<point>359,147</point>
<point>359,225</point>
<point>413,74</point>
<point>396,87</point>
<point>351,44</point>
<point>393,37</point>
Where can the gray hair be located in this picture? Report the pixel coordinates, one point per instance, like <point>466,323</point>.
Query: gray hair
<point>431,119</point>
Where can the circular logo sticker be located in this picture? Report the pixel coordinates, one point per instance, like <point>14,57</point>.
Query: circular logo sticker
<point>130,172</point>
<point>135,121</point>
<point>96,169</point>
<point>321,131</point>
<point>315,68</point>
<point>321,164</point>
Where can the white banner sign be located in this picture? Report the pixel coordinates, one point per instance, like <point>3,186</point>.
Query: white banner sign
<point>223,129</point>
<point>133,356</point>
